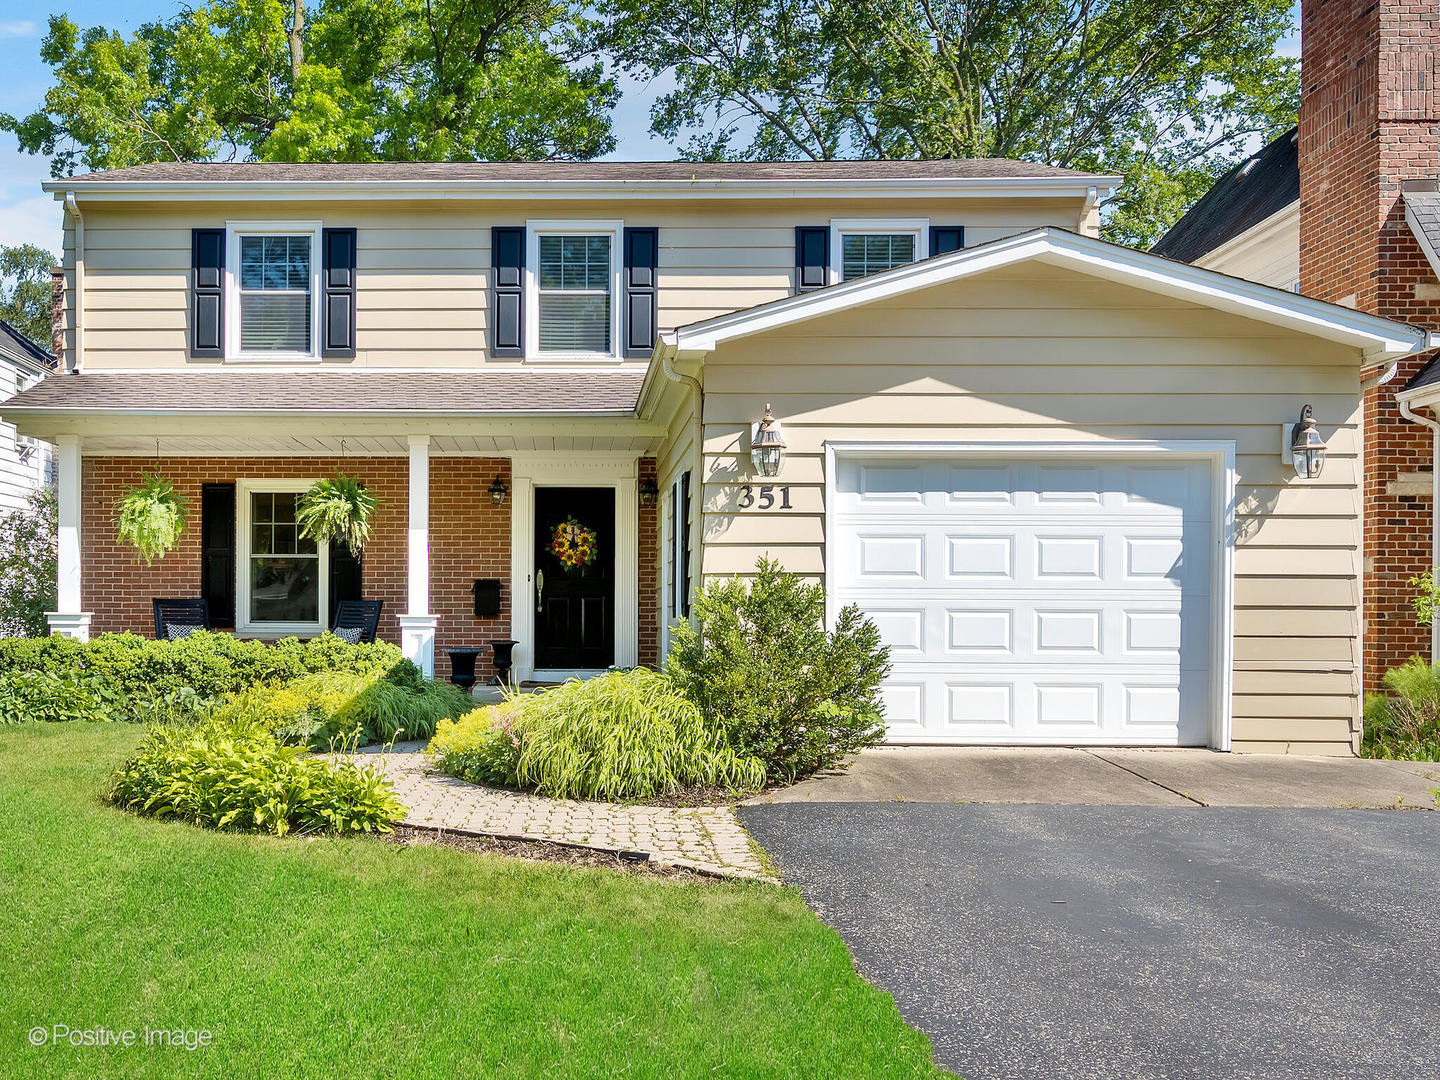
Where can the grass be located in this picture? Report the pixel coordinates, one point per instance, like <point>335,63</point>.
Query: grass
<point>353,957</point>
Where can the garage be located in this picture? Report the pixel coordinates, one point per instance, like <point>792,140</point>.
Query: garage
<point>1060,597</point>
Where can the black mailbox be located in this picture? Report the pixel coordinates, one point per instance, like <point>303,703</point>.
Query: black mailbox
<point>487,597</point>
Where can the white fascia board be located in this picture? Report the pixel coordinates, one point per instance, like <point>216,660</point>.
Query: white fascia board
<point>1377,339</point>
<point>531,191</point>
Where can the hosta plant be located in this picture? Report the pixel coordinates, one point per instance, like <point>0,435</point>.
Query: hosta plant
<point>336,511</point>
<point>151,517</point>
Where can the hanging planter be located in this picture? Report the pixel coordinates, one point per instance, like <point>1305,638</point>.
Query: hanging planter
<point>152,517</point>
<point>336,511</point>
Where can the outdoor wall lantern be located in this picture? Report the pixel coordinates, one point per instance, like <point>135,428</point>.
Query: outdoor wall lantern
<point>1307,448</point>
<point>767,445</point>
<point>497,492</point>
<point>649,491</point>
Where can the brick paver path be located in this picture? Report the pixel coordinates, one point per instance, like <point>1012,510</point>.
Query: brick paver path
<point>708,838</point>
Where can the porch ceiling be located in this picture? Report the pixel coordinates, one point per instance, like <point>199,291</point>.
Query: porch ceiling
<point>498,444</point>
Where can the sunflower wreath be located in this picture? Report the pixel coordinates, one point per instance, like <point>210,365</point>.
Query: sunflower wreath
<point>574,544</point>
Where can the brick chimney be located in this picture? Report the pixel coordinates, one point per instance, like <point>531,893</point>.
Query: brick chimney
<point>57,315</point>
<point>1369,121</point>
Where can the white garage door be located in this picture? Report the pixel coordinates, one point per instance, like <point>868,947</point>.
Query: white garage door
<point>1033,601</point>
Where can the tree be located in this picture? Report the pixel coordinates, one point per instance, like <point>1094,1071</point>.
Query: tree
<point>25,291</point>
<point>28,566</point>
<point>1168,93</point>
<point>353,80</point>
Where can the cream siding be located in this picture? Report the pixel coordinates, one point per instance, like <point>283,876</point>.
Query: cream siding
<point>1038,354</point>
<point>1268,252</point>
<point>424,270</point>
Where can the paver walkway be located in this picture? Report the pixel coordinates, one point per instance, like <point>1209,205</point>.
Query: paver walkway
<point>705,838</point>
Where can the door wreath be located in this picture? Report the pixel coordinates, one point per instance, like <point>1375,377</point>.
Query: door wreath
<point>574,545</point>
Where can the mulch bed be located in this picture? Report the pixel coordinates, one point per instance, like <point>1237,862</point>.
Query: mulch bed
<point>538,851</point>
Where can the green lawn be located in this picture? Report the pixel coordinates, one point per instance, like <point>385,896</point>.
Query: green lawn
<point>356,958</point>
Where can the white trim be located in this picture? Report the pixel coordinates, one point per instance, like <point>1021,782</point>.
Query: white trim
<point>231,330</point>
<point>70,523</point>
<point>841,227</point>
<point>534,229</point>
<point>244,488</point>
<point>1221,456</point>
<point>618,471</point>
<point>1376,338</point>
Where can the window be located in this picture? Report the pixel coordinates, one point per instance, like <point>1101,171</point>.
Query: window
<point>283,577</point>
<point>861,248</point>
<point>574,282</point>
<point>274,282</point>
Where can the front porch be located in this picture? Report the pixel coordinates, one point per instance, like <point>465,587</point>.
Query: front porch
<point>437,530</point>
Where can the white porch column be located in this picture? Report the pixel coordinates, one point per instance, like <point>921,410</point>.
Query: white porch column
<point>417,625</point>
<point>69,620</point>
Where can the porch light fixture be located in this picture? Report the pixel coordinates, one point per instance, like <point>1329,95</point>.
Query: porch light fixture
<point>649,491</point>
<point>498,491</point>
<point>767,445</point>
<point>1307,449</point>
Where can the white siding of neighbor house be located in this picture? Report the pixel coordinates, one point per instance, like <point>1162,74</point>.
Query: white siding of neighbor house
<point>19,479</point>
<point>424,270</point>
<point>1039,354</point>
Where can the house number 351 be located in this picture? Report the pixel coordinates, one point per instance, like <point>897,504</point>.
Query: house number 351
<point>765,495</point>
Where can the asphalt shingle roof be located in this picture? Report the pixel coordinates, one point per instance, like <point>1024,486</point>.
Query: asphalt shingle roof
<point>519,392</point>
<point>14,343</point>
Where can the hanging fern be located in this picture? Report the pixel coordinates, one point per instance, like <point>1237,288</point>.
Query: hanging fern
<point>152,517</point>
<point>336,511</point>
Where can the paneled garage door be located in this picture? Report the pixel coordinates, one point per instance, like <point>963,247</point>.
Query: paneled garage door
<point>1063,601</point>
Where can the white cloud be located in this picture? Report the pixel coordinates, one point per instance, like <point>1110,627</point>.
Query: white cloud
<point>34,220</point>
<point>20,28</point>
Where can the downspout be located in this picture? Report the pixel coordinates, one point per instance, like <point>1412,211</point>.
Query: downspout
<point>73,209</point>
<point>1434,426</point>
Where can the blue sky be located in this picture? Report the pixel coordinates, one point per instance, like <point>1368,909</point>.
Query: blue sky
<point>27,215</point>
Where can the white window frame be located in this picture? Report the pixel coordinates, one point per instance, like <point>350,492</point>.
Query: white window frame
<point>243,536</point>
<point>842,227</point>
<point>233,231</point>
<point>615,230</point>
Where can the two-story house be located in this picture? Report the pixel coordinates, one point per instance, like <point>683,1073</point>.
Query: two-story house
<point>1056,472</point>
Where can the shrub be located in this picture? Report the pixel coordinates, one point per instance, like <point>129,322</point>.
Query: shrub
<point>763,670</point>
<point>623,735</point>
<point>1405,723</point>
<point>47,697</point>
<point>27,566</point>
<point>237,775</point>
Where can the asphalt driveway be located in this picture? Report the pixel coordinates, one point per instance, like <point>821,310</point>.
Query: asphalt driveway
<point>1055,942</point>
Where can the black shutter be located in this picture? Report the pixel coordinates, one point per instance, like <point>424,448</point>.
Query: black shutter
<point>346,578</point>
<point>217,553</point>
<point>207,292</point>
<point>946,238</point>
<point>641,314</point>
<point>812,257</point>
<point>507,263</point>
<point>338,280</point>
<point>685,545</point>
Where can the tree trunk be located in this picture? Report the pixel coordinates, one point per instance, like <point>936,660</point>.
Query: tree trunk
<point>297,41</point>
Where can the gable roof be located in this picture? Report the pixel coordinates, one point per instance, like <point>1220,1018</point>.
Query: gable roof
<point>16,347</point>
<point>1377,339</point>
<point>1257,188</point>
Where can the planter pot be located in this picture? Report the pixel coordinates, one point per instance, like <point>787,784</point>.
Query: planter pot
<point>504,660</point>
<point>462,666</point>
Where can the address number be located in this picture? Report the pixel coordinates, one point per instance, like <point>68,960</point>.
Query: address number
<point>765,496</point>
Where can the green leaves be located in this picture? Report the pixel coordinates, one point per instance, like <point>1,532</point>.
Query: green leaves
<point>336,511</point>
<point>151,517</point>
<point>28,566</point>
<point>25,291</point>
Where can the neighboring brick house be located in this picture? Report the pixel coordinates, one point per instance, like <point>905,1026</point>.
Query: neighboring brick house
<point>1046,466</point>
<point>1359,186</point>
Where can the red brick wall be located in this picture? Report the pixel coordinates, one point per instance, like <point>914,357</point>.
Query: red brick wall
<point>1368,122</point>
<point>469,539</point>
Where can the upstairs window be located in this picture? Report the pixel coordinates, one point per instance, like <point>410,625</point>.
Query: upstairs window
<point>861,248</point>
<point>575,282</point>
<point>274,286</point>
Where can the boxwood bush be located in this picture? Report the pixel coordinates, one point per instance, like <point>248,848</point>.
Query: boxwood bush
<point>226,774</point>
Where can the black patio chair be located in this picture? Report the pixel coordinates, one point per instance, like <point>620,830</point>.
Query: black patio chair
<point>175,619</point>
<point>361,615</point>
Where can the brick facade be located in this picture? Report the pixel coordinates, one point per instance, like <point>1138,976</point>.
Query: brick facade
<point>1368,122</point>
<point>469,539</point>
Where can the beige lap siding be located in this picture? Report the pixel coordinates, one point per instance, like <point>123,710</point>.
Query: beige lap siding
<point>469,539</point>
<point>1041,356</point>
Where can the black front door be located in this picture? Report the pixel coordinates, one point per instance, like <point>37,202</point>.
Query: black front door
<point>574,577</point>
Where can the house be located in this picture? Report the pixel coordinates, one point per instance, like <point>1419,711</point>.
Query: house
<point>1347,204</point>
<point>25,463</point>
<point>1055,472</point>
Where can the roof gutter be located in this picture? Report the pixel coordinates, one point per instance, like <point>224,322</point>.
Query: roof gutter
<point>72,207</point>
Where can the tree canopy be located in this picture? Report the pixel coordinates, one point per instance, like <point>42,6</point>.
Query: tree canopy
<point>1166,92</point>
<point>25,291</point>
<point>352,80</point>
